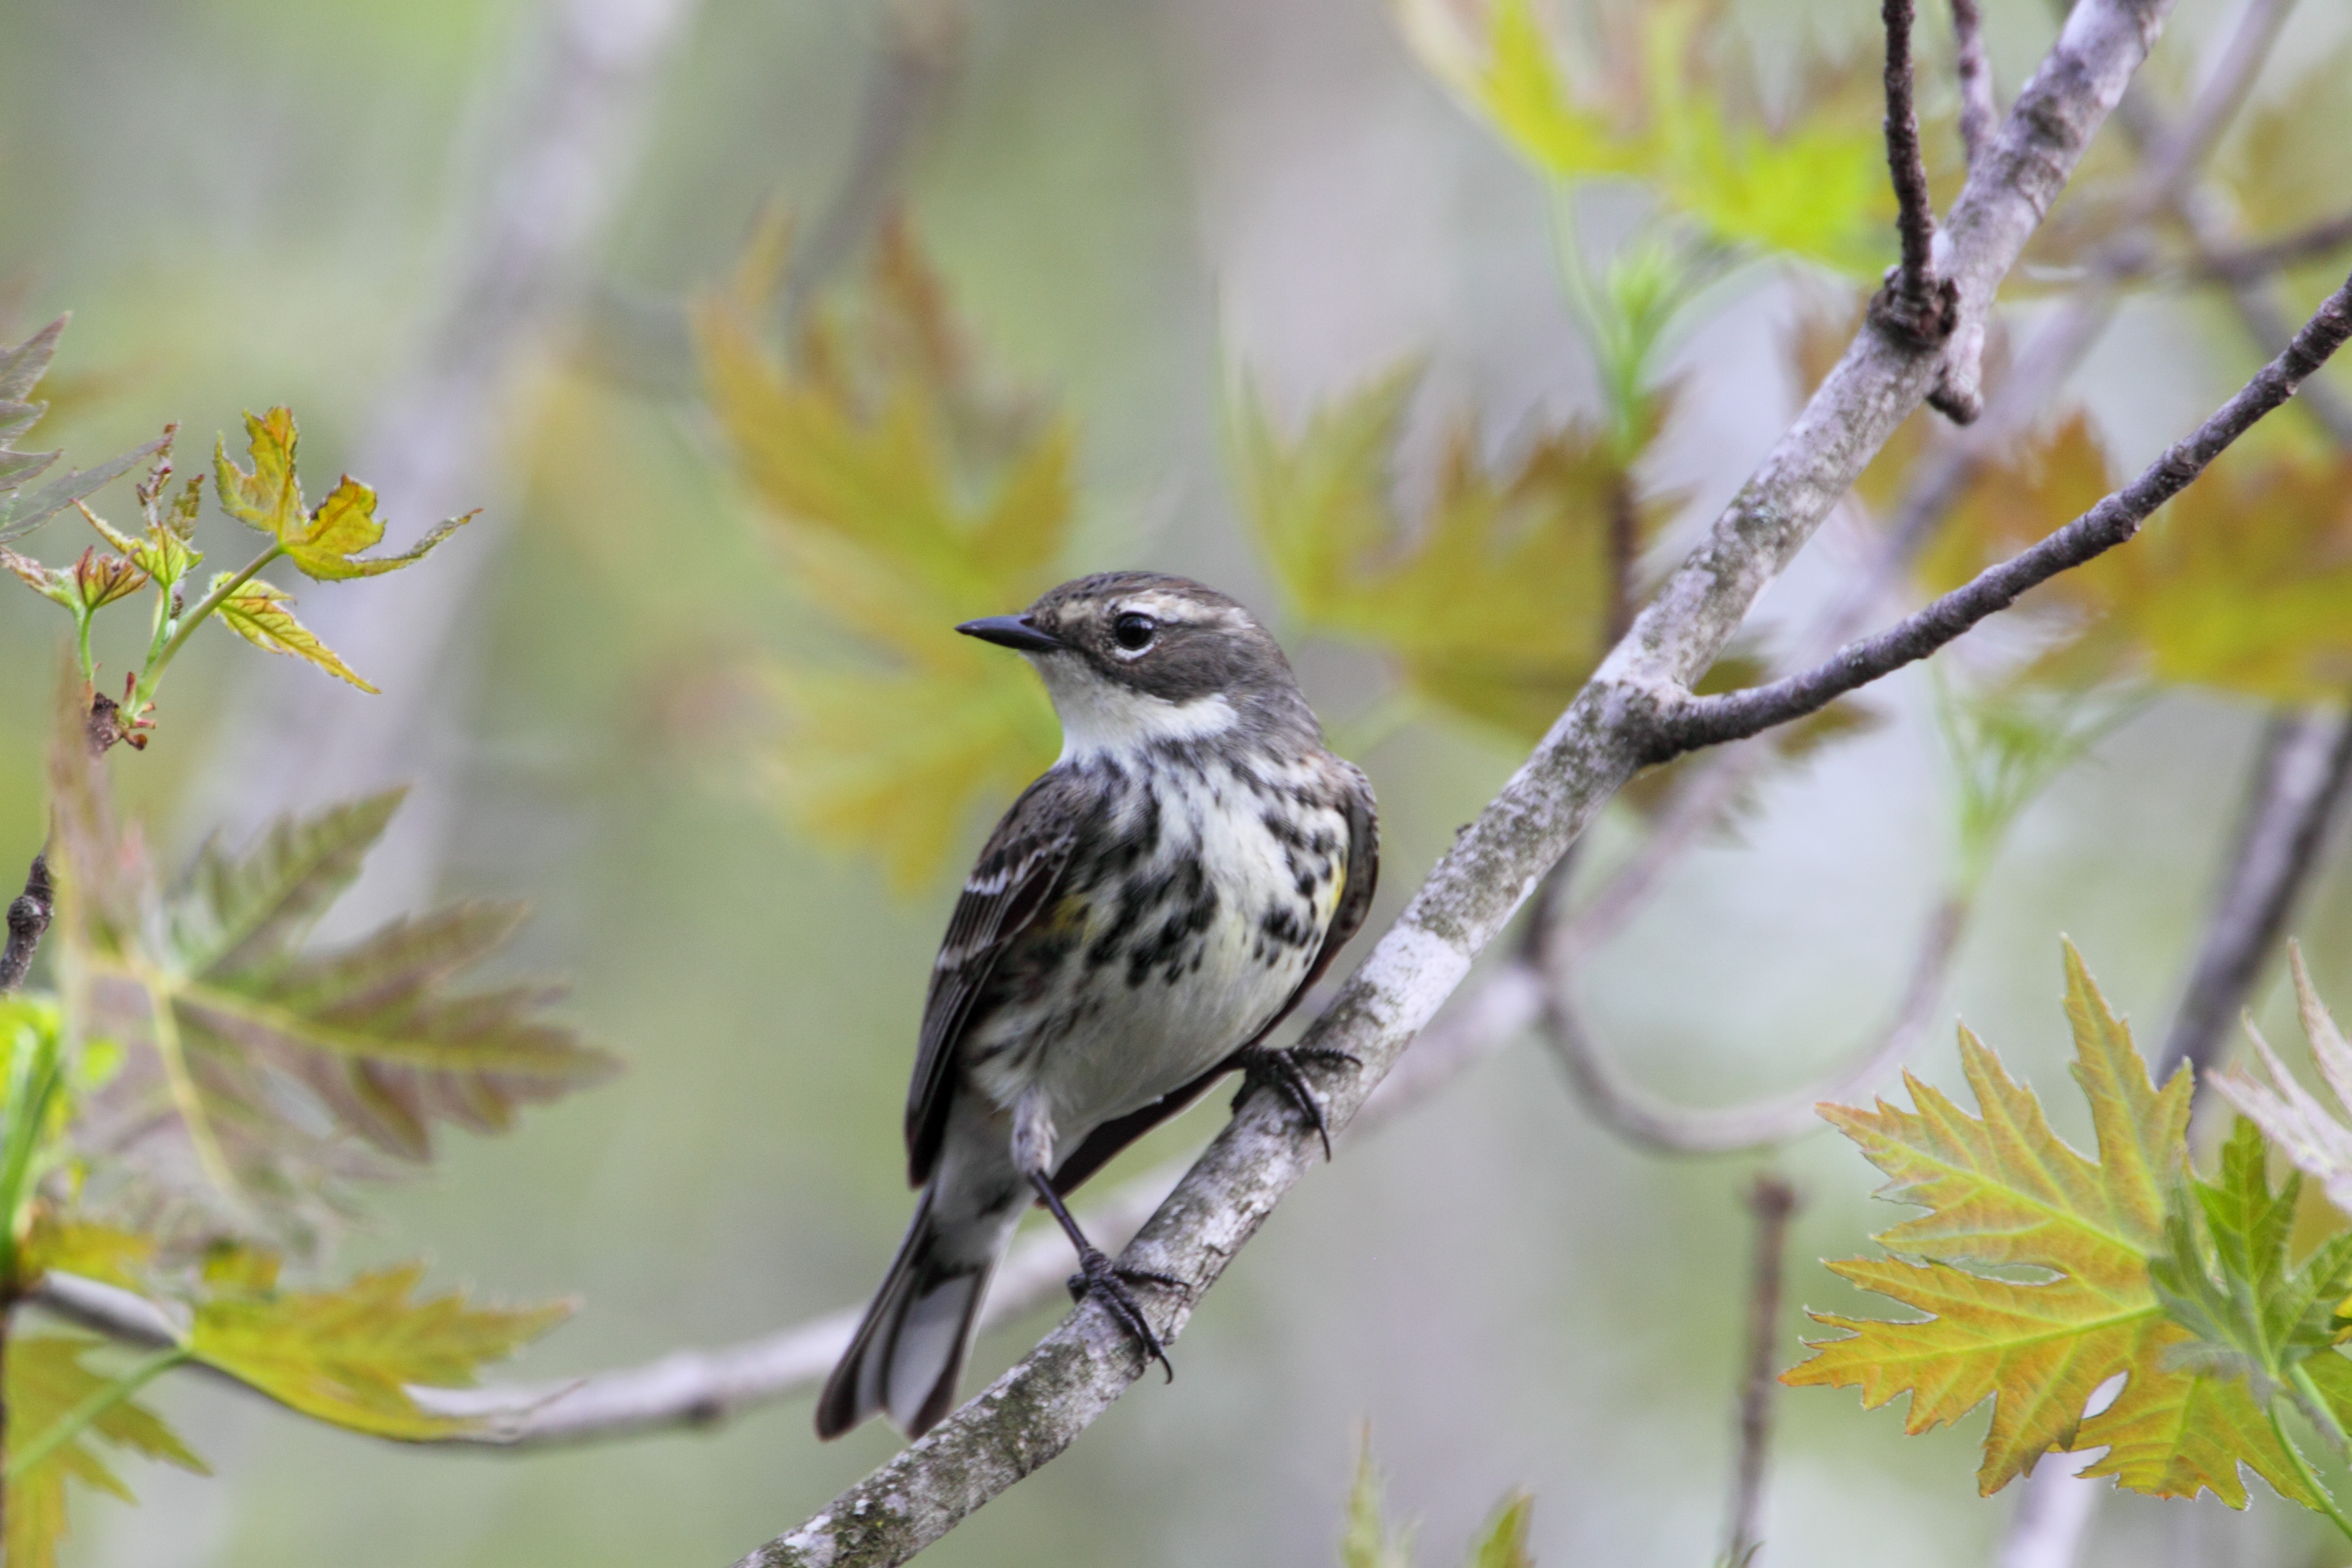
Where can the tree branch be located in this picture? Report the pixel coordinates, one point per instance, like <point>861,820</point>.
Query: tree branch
<point>1977,115</point>
<point>1677,1130</point>
<point>2301,774</point>
<point>1687,723</point>
<point>1037,1407</point>
<point>1773,1202</point>
<point>2256,263</point>
<point>1911,304</point>
<point>693,1388</point>
<point>28,919</point>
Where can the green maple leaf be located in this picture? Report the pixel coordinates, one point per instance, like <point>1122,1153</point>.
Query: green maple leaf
<point>1814,186</point>
<point>349,1356</point>
<point>2003,1190</point>
<point>905,496</point>
<point>47,1381</point>
<point>229,1022</point>
<point>325,541</point>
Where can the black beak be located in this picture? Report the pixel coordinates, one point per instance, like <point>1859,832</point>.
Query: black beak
<point>1017,632</point>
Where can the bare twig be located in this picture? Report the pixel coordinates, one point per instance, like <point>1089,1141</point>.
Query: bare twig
<point>909,77</point>
<point>1975,72</point>
<point>28,919</point>
<point>1681,1130</point>
<point>2254,263</point>
<point>1772,1200</point>
<point>2303,767</point>
<point>1914,306</point>
<point>1688,722</point>
<point>1041,1404</point>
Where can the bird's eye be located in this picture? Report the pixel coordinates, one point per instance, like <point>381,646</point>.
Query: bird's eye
<point>1134,632</point>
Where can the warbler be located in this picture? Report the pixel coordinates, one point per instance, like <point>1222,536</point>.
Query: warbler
<point>1141,919</point>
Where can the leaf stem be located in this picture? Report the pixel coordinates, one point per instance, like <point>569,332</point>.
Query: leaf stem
<point>32,1083</point>
<point>97,1403</point>
<point>161,654</point>
<point>184,1084</point>
<point>2327,1503</point>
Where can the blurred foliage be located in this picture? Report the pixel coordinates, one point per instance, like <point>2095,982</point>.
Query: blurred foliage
<point>2139,1268</point>
<point>2200,598</point>
<point>1671,105</point>
<point>1371,1541</point>
<point>1499,605</point>
<point>905,495</point>
<point>48,1387</point>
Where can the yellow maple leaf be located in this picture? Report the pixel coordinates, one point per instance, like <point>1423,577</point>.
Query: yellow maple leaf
<point>264,616</point>
<point>2002,1190</point>
<point>349,1356</point>
<point>2243,582</point>
<point>46,1384</point>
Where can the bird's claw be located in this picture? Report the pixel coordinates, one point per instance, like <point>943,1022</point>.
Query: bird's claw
<point>1107,1282</point>
<point>1285,1072</point>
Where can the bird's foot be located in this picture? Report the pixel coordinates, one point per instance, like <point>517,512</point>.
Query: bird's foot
<point>1285,1072</point>
<point>1107,1282</point>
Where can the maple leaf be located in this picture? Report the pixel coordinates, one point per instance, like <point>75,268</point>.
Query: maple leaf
<point>905,496</point>
<point>230,1022</point>
<point>349,1356</point>
<point>2312,1135</point>
<point>21,370</point>
<point>1813,185</point>
<point>47,1382</point>
<point>1500,604</point>
<point>2002,1190</point>
<point>1501,601</point>
<point>325,543</point>
<point>263,617</point>
<point>2197,598</point>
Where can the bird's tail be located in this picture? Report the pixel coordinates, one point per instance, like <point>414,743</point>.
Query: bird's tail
<point>909,1354</point>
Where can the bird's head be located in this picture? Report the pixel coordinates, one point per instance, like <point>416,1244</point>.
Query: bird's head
<point>1134,658</point>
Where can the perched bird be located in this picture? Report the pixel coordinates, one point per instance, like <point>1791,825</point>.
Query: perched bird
<point>1138,922</point>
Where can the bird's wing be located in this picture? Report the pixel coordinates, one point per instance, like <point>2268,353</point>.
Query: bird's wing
<point>1362,877</point>
<point>1017,874</point>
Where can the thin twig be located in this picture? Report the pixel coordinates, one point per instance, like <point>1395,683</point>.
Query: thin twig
<point>1975,72</point>
<point>1915,307</point>
<point>1772,1200</point>
<point>2304,765</point>
<point>1681,1130</point>
<point>1685,723</point>
<point>28,919</point>
<point>911,74</point>
<point>2254,263</point>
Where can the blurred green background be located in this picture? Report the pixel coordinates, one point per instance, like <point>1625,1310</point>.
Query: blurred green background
<point>248,202</point>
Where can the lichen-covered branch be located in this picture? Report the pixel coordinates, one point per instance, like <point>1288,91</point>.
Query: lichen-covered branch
<point>1044,1401</point>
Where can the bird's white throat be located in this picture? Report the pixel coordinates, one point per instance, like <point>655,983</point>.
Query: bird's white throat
<point>1099,716</point>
